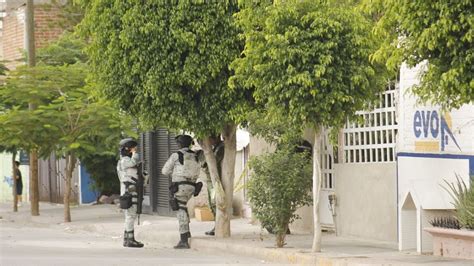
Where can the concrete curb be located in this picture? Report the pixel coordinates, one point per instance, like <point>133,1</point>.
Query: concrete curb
<point>162,231</point>
<point>279,255</point>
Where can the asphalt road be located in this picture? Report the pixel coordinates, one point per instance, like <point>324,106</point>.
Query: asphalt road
<point>33,244</point>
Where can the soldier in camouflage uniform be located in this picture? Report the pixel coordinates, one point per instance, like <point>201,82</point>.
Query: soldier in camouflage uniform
<point>128,174</point>
<point>184,168</point>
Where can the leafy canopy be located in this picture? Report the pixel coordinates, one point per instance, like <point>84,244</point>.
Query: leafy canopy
<point>166,62</point>
<point>69,117</point>
<point>439,33</point>
<point>307,61</point>
<point>22,127</point>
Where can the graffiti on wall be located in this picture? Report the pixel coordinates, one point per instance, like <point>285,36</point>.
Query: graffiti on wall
<point>433,131</point>
<point>8,180</point>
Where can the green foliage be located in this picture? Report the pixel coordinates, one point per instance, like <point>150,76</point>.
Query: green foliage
<point>271,127</point>
<point>102,168</point>
<point>69,117</point>
<point>71,13</point>
<point>166,62</point>
<point>76,119</point>
<point>3,69</point>
<point>67,50</point>
<point>22,127</point>
<point>307,62</point>
<point>439,33</point>
<point>463,197</point>
<point>280,184</point>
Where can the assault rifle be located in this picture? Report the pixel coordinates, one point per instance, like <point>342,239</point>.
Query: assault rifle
<point>140,189</point>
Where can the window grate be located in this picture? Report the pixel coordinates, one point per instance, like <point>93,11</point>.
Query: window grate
<point>374,140</point>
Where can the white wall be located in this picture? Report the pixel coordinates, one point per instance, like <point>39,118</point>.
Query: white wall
<point>5,176</point>
<point>425,177</point>
<point>367,200</point>
<point>421,129</point>
<point>434,146</point>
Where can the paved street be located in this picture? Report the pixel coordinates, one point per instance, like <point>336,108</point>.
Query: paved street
<point>38,244</point>
<point>94,238</point>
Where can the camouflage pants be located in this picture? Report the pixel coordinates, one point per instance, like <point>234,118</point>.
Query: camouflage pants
<point>210,197</point>
<point>184,193</point>
<point>131,215</point>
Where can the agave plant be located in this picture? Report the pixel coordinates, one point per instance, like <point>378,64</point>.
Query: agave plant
<point>463,197</point>
<point>446,222</point>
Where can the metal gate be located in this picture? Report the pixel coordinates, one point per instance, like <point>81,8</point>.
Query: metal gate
<point>156,147</point>
<point>328,181</point>
<point>51,175</point>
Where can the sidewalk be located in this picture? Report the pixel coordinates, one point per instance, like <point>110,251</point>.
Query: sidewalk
<point>246,240</point>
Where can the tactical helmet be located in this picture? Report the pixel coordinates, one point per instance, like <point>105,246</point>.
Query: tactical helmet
<point>128,143</point>
<point>184,140</point>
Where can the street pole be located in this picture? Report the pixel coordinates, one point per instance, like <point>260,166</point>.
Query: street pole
<point>15,182</point>
<point>30,50</point>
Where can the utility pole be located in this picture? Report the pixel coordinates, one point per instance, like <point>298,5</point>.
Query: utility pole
<point>30,50</point>
<point>15,182</point>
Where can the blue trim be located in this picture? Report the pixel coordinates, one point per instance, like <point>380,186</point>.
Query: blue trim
<point>435,155</point>
<point>442,156</point>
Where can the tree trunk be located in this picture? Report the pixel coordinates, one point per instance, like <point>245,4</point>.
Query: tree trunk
<point>30,51</point>
<point>15,181</point>
<point>280,237</point>
<point>70,165</point>
<point>316,192</point>
<point>223,185</point>
<point>228,167</point>
<point>34,187</point>
<point>214,173</point>
<point>30,33</point>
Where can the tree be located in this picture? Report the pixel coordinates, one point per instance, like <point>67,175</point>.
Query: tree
<point>76,119</point>
<point>439,34</point>
<point>31,62</point>
<point>166,63</point>
<point>280,184</point>
<point>308,63</point>
<point>70,119</point>
<point>19,126</point>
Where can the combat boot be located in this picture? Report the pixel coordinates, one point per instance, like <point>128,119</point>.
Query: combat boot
<point>130,242</point>
<point>211,233</point>
<point>183,243</point>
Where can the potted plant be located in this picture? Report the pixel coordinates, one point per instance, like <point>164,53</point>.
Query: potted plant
<point>454,236</point>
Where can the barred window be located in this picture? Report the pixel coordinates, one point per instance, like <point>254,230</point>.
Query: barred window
<point>374,140</point>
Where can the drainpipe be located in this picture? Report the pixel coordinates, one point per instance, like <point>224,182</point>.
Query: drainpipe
<point>332,205</point>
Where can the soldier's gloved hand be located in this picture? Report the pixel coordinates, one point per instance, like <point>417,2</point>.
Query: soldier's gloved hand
<point>146,177</point>
<point>132,189</point>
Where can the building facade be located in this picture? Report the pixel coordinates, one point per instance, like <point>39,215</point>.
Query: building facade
<point>387,174</point>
